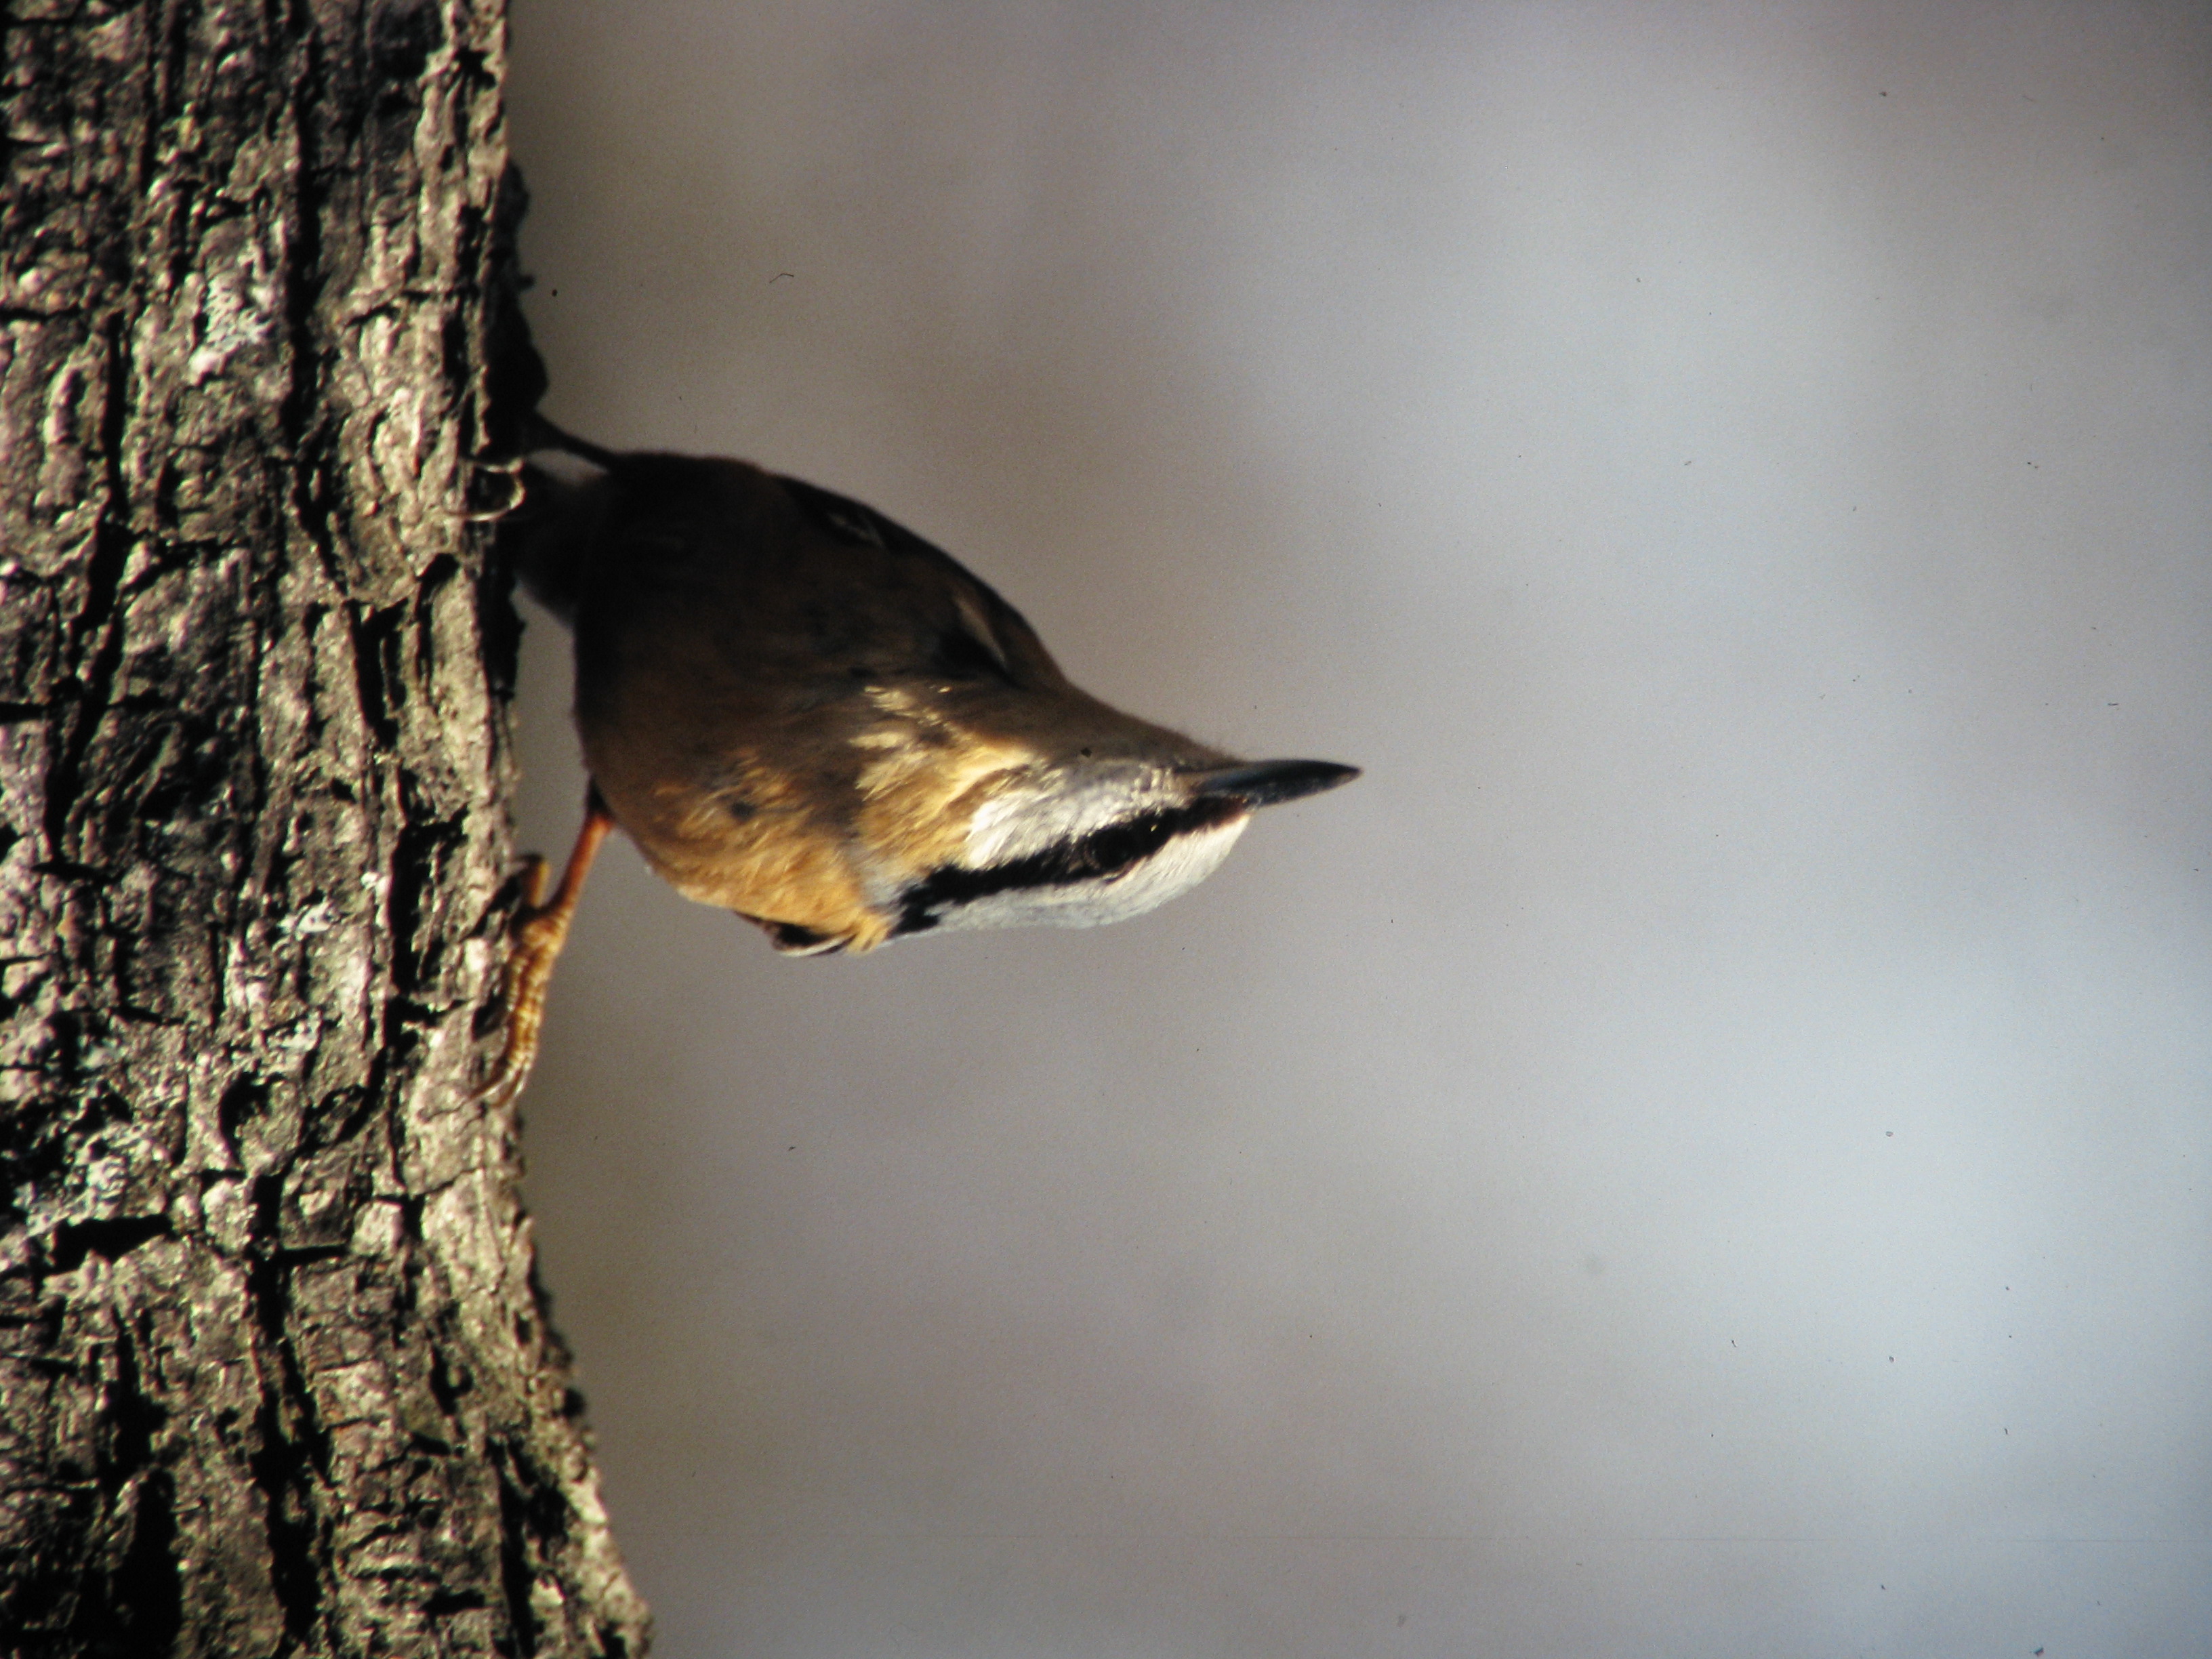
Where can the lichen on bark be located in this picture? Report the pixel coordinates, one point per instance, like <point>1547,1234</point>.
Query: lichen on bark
<point>275,1377</point>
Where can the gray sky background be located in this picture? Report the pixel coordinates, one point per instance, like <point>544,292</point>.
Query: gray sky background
<point>1704,1149</point>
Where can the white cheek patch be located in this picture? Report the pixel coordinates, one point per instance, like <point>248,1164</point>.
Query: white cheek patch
<point>1045,810</point>
<point>1178,867</point>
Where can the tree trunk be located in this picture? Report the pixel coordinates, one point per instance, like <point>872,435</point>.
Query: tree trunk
<point>274,1376</point>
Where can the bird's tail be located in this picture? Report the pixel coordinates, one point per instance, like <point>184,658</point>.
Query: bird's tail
<point>549,536</point>
<point>540,435</point>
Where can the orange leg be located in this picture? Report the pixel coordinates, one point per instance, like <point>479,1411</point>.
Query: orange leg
<point>540,929</point>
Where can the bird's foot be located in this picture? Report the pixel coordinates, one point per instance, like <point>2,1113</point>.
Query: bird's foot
<point>540,928</point>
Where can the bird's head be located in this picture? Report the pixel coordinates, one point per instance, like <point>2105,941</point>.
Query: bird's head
<point>1011,804</point>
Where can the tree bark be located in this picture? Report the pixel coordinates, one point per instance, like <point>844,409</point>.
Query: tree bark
<point>274,1375</point>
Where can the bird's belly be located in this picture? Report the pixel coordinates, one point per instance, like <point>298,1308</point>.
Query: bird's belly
<point>771,865</point>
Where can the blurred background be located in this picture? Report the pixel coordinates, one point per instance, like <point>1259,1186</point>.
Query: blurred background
<point>1704,1149</point>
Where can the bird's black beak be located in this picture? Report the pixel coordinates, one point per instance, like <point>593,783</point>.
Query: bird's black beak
<point>1265,783</point>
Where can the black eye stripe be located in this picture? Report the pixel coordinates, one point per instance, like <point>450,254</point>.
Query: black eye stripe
<point>1101,853</point>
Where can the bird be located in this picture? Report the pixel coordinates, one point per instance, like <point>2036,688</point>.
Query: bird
<point>803,713</point>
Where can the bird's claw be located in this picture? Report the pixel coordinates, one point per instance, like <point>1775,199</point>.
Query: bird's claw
<point>538,930</point>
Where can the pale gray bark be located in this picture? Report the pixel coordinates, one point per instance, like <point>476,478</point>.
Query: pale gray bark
<point>274,1378</point>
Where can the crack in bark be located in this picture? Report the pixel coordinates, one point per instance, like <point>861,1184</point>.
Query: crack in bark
<point>286,1465</point>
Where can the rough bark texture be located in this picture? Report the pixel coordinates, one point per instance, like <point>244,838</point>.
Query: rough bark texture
<point>273,1376</point>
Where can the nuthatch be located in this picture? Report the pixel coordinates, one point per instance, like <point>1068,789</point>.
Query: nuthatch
<point>804,714</point>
